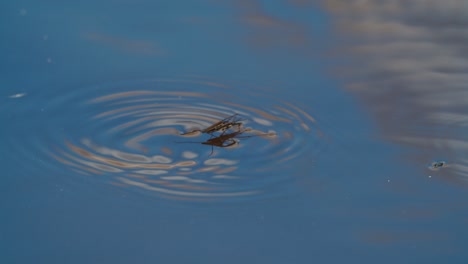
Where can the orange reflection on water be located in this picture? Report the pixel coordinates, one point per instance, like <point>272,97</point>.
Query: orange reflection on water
<point>145,172</point>
<point>117,163</point>
<point>181,193</point>
<point>134,142</point>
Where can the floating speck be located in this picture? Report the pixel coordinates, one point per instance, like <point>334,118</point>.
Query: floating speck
<point>23,12</point>
<point>436,165</point>
<point>18,95</point>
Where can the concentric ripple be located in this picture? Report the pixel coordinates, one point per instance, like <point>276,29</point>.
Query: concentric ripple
<point>132,135</point>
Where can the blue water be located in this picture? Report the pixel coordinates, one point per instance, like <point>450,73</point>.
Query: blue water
<point>344,177</point>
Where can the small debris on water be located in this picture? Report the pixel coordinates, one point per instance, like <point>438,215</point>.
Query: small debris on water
<point>436,165</point>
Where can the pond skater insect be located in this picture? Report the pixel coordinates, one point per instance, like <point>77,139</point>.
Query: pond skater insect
<point>222,125</point>
<point>223,141</point>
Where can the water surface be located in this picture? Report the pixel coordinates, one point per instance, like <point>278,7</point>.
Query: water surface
<point>346,106</point>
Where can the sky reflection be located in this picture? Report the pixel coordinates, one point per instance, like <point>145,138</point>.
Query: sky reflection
<point>412,58</point>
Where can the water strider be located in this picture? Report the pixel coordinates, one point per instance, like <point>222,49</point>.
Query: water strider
<point>222,125</point>
<point>224,139</point>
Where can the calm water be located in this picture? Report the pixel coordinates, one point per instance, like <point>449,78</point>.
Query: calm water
<point>350,145</point>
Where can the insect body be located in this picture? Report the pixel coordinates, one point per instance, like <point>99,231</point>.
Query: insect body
<point>222,125</point>
<point>221,133</point>
<point>224,140</point>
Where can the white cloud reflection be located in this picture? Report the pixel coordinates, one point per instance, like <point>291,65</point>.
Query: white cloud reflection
<point>412,59</point>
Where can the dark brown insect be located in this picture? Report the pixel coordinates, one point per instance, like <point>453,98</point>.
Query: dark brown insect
<point>224,140</point>
<point>222,125</point>
<point>226,137</point>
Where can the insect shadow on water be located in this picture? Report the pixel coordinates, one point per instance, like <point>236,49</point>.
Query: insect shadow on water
<point>224,139</point>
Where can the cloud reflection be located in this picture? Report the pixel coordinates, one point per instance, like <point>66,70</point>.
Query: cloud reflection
<point>269,30</point>
<point>412,69</point>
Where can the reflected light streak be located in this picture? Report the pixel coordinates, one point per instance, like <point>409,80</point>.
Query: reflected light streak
<point>181,193</point>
